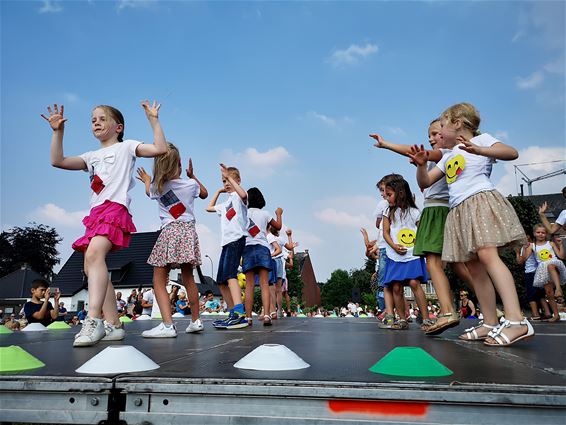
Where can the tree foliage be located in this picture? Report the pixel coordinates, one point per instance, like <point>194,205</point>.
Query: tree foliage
<point>35,245</point>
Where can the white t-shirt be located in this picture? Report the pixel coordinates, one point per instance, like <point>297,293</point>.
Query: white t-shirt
<point>403,231</point>
<point>257,227</point>
<point>382,205</point>
<point>148,298</point>
<point>530,263</point>
<point>466,173</point>
<point>233,218</point>
<point>177,201</point>
<point>111,172</point>
<point>439,190</point>
<point>281,240</point>
<point>270,239</point>
<point>561,218</point>
<point>544,252</point>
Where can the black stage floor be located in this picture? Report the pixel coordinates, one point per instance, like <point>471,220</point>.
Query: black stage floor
<point>339,350</point>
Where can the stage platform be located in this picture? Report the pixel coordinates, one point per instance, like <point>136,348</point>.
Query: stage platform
<point>197,382</point>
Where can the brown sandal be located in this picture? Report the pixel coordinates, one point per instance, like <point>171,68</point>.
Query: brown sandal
<point>438,328</point>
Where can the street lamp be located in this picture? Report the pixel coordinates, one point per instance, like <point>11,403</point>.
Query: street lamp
<point>211,266</point>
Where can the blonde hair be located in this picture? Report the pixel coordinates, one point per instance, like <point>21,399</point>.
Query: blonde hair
<point>234,173</point>
<point>166,167</point>
<point>116,115</point>
<point>467,114</point>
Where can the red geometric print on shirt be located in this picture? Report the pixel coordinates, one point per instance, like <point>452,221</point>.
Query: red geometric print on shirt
<point>230,211</point>
<point>253,229</point>
<point>177,210</point>
<point>96,184</point>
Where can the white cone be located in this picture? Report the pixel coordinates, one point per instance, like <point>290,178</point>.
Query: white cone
<point>34,327</point>
<point>178,315</point>
<point>118,359</point>
<point>271,357</point>
<point>143,317</point>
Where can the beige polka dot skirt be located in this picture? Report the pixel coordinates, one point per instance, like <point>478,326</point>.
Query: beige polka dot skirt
<point>485,219</point>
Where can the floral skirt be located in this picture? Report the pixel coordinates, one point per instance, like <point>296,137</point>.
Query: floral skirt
<point>484,220</point>
<point>110,219</point>
<point>177,244</point>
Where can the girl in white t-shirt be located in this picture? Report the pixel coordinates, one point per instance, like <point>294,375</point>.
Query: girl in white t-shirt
<point>480,220</point>
<point>177,245</point>
<point>258,252</point>
<point>550,270</point>
<point>400,222</point>
<point>109,223</point>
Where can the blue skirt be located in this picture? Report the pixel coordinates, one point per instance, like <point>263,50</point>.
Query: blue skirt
<point>403,272</point>
<point>254,257</point>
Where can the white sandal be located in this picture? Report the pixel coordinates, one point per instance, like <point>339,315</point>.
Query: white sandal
<point>472,335</point>
<point>503,340</point>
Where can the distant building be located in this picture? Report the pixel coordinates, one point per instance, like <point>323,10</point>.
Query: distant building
<point>311,290</point>
<point>15,289</point>
<point>555,201</point>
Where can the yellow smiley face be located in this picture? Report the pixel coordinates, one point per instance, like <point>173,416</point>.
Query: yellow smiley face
<point>406,237</point>
<point>454,168</point>
<point>545,255</point>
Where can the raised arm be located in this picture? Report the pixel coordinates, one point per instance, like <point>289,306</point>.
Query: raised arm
<point>241,192</point>
<point>159,146</point>
<point>277,248</point>
<point>290,245</point>
<point>214,199</point>
<point>498,150</point>
<point>278,222</point>
<point>57,123</point>
<point>405,150</point>
<point>550,227</point>
<point>190,174</point>
<point>558,247</point>
<point>425,178</point>
<point>144,178</point>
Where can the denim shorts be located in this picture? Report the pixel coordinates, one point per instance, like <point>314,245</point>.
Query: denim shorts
<point>230,260</point>
<point>255,257</point>
<point>280,267</point>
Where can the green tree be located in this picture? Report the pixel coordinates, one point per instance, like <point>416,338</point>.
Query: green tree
<point>35,245</point>
<point>526,211</point>
<point>337,290</point>
<point>294,281</point>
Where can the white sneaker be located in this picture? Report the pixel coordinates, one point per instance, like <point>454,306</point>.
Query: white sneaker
<point>195,326</point>
<point>161,331</point>
<point>91,332</point>
<point>113,333</point>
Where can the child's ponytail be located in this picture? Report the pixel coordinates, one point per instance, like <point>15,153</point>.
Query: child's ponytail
<point>166,167</point>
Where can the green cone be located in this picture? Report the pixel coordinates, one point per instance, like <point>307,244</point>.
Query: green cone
<point>410,361</point>
<point>301,315</point>
<point>15,359</point>
<point>157,316</point>
<point>58,325</point>
<point>125,319</point>
<point>5,331</point>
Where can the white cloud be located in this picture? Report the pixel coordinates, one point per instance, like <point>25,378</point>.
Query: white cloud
<point>555,67</point>
<point>343,218</point>
<point>395,131</point>
<point>54,215</point>
<point>352,55</point>
<point>50,6</point>
<point>532,81</point>
<point>543,23</point>
<point>257,163</point>
<point>501,135</point>
<point>133,4</point>
<point>71,97</point>
<point>327,120</point>
<point>541,158</point>
<point>305,239</point>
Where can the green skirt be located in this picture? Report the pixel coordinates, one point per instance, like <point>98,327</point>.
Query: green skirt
<point>430,233</point>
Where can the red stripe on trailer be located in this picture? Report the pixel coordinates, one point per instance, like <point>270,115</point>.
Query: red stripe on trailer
<point>388,408</point>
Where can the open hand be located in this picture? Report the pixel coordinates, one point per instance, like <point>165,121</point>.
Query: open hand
<point>542,209</point>
<point>380,143</point>
<point>151,111</point>
<point>419,155</point>
<point>469,147</point>
<point>224,171</point>
<point>143,176</point>
<point>55,119</point>
<point>190,169</point>
<point>289,232</point>
<point>400,249</point>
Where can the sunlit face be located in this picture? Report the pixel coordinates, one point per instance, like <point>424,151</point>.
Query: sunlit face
<point>103,125</point>
<point>448,132</point>
<point>435,136</point>
<point>390,196</point>
<point>540,234</point>
<point>38,293</point>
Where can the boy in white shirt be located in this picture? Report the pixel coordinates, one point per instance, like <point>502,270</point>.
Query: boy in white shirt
<point>233,224</point>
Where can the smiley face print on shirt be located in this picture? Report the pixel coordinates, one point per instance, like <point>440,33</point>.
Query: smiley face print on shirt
<point>406,237</point>
<point>545,255</point>
<point>454,168</point>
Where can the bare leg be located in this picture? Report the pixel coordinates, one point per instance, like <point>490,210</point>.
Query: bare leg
<point>534,309</point>
<point>192,290</point>
<point>441,285</point>
<point>265,288</point>
<point>287,300</point>
<point>555,277</point>
<point>484,292</point>
<point>545,307</point>
<point>272,298</point>
<point>549,290</point>
<point>419,297</point>
<point>399,299</point>
<point>250,286</point>
<point>109,308</point>
<point>390,302</point>
<point>97,273</point>
<point>160,279</point>
<point>235,291</point>
<point>279,292</point>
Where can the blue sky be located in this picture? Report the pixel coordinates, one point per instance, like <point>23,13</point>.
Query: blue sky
<point>287,91</point>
